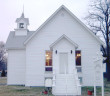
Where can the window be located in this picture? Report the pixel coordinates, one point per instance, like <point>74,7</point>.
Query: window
<point>21,25</point>
<point>48,61</point>
<point>81,81</point>
<point>78,58</point>
<point>79,69</point>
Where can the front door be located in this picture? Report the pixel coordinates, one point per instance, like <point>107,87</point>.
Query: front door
<point>63,63</point>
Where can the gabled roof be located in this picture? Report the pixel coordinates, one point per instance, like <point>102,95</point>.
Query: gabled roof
<point>62,7</point>
<point>63,37</point>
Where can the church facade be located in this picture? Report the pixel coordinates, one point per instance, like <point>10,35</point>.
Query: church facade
<point>60,50</point>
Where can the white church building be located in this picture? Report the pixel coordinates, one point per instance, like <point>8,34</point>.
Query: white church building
<point>60,50</point>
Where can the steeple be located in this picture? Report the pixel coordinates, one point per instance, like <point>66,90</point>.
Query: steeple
<point>22,25</point>
<point>22,15</point>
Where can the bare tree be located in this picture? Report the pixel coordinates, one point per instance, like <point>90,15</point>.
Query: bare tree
<point>3,56</point>
<point>99,21</point>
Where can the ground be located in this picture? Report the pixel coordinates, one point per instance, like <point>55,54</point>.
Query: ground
<point>37,91</point>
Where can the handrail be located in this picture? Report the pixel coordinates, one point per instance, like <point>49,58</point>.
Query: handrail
<point>77,82</point>
<point>54,82</point>
<point>54,78</point>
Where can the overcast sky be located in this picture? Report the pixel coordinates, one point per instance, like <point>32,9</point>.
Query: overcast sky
<point>36,10</point>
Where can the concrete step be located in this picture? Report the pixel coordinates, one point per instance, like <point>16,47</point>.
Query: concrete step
<point>66,94</point>
<point>66,81</point>
<point>69,84</point>
<point>65,78</point>
<point>70,89</point>
<point>73,82</point>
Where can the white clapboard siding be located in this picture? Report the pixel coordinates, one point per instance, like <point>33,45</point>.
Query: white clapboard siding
<point>16,67</point>
<point>59,25</point>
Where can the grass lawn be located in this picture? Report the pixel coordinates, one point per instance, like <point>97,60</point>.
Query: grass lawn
<point>36,91</point>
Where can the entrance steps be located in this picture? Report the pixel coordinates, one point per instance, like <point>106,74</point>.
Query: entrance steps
<point>66,85</point>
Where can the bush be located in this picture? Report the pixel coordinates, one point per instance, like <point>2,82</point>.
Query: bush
<point>3,74</point>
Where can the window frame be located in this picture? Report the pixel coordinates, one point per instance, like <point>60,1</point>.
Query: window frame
<point>81,58</point>
<point>45,62</point>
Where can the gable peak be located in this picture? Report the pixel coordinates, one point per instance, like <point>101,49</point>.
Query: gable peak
<point>63,7</point>
<point>66,38</point>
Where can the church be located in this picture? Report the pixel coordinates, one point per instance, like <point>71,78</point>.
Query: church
<point>60,50</point>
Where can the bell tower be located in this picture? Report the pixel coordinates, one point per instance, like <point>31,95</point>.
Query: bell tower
<point>22,26</point>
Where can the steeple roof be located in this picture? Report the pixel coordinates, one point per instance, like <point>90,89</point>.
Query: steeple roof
<point>22,15</point>
<point>23,18</point>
